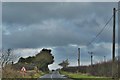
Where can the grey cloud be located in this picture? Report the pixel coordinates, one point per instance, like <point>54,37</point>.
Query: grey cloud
<point>50,33</point>
<point>29,13</point>
<point>54,24</point>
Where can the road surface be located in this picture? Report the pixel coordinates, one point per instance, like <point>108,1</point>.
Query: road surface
<point>55,75</point>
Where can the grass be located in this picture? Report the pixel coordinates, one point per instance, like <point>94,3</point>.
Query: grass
<point>79,76</point>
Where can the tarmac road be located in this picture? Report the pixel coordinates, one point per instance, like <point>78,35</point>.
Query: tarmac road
<point>55,75</point>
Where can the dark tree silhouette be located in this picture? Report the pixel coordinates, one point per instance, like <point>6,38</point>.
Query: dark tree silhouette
<point>41,60</point>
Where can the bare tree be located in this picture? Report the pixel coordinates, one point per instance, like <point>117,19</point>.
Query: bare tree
<point>7,56</point>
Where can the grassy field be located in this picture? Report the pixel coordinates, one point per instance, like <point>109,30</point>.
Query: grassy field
<point>79,76</point>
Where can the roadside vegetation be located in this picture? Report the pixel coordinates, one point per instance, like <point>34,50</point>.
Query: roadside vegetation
<point>35,66</point>
<point>80,76</point>
<point>9,72</point>
<point>99,71</point>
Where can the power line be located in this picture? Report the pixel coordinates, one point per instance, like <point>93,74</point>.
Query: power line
<point>108,30</point>
<point>100,32</point>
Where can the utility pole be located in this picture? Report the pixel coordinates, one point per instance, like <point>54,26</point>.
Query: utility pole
<point>91,70</point>
<point>78,57</point>
<point>105,65</point>
<point>113,46</point>
<point>91,53</point>
<point>104,58</point>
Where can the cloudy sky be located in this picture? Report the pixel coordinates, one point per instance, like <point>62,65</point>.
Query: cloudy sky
<point>59,0</point>
<point>63,27</point>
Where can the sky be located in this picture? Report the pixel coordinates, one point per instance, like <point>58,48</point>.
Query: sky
<point>27,27</point>
<point>59,0</point>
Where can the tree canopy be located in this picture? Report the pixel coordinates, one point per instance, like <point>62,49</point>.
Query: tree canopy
<point>41,60</point>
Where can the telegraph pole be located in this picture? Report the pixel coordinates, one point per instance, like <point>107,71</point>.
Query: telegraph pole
<point>113,46</point>
<point>105,65</point>
<point>91,53</point>
<point>91,70</point>
<point>78,57</point>
<point>104,58</point>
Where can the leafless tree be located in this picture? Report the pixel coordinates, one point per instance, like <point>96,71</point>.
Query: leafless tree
<point>7,56</point>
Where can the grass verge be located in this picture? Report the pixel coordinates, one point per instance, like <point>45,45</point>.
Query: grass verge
<point>79,76</point>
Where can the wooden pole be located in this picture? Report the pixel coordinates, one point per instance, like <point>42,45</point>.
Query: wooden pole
<point>113,46</point>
